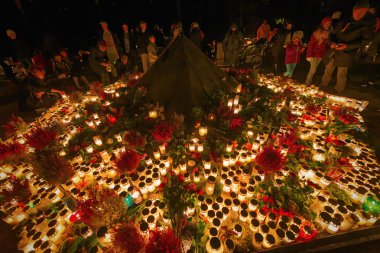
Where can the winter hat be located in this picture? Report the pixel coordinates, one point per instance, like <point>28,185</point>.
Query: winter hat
<point>361,4</point>
<point>326,20</point>
<point>297,34</point>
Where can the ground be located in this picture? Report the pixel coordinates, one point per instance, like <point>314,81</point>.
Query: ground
<point>371,115</point>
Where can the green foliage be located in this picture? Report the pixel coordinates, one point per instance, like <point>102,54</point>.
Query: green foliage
<point>335,191</point>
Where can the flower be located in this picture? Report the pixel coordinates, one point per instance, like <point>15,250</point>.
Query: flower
<point>40,138</point>
<point>13,126</point>
<point>270,159</point>
<point>236,122</point>
<point>348,119</point>
<point>162,132</point>
<point>192,187</point>
<point>163,241</point>
<point>313,109</point>
<point>345,115</point>
<point>18,189</point>
<point>128,161</point>
<point>111,119</point>
<point>11,151</point>
<point>126,238</point>
<point>134,139</point>
<point>335,140</point>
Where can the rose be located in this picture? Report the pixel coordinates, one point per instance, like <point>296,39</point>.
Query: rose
<point>162,132</point>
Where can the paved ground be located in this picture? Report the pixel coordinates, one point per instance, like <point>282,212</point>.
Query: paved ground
<point>8,106</point>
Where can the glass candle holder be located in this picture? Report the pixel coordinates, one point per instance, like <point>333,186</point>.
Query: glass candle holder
<point>214,245</point>
<point>210,185</point>
<point>238,229</point>
<point>257,241</point>
<point>203,130</point>
<point>153,114</point>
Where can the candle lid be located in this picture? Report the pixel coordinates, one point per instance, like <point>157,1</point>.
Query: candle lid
<point>211,213</point>
<point>253,214</point>
<point>329,209</point>
<point>236,202</point>
<point>225,210</point>
<point>37,244</point>
<point>270,239</point>
<point>144,226</point>
<point>208,201</point>
<point>215,243</point>
<point>255,223</point>
<point>244,206</point>
<point>101,232</point>
<point>280,233</point>
<point>150,219</point>
<point>216,222</point>
<point>213,231</point>
<point>238,228</point>
<point>230,244</point>
<point>219,199</point>
<point>297,220</point>
<point>259,237</point>
<point>295,229</point>
<point>264,228</point>
<point>84,230</point>
<point>272,224</point>
<point>290,235</point>
<point>325,217</point>
<point>228,202</point>
<point>52,223</point>
<point>244,213</point>
<point>45,245</point>
<point>204,207</point>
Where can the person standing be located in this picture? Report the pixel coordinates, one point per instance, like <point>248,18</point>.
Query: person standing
<point>77,66</point>
<point>196,35</point>
<point>263,31</point>
<point>317,47</point>
<point>294,49</point>
<point>98,61</point>
<point>126,39</point>
<point>279,42</point>
<point>346,44</point>
<point>113,46</point>
<point>152,50</point>
<point>231,45</point>
<point>142,45</point>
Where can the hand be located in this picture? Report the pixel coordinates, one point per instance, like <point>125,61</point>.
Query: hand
<point>333,45</point>
<point>39,94</point>
<point>105,64</point>
<point>309,58</point>
<point>341,47</point>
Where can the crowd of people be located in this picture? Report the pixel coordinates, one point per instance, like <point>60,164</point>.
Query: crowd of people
<point>336,43</point>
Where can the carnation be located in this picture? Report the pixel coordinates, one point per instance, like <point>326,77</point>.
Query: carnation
<point>163,241</point>
<point>40,138</point>
<point>162,132</point>
<point>127,238</point>
<point>270,159</point>
<point>236,122</point>
<point>11,151</point>
<point>128,161</point>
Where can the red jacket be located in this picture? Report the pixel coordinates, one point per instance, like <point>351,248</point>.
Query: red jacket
<point>315,49</point>
<point>293,53</point>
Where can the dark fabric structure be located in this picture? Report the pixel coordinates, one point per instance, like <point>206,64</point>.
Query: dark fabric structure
<point>183,77</point>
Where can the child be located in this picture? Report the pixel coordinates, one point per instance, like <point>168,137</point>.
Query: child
<point>293,53</point>
<point>152,50</point>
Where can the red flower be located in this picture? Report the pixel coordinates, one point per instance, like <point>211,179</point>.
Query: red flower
<point>40,138</point>
<point>313,109</point>
<point>163,241</point>
<point>200,191</point>
<point>192,187</point>
<point>127,238</point>
<point>162,132</point>
<point>236,122</point>
<point>344,162</point>
<point>348,119</point>
<point>283,212</point>
<point>13,125</point>
<point>163,183</point>
<point>270,159</point>
<point>134,139</point>
<point>334,140</point>
<point>288,139</point>
<point>268,200</point>
<point>17,189</point>
<point>111,119</point>
<point>128,161</point>
<point>11,151</point>
<point>195,155</point>
<point>181,178</point>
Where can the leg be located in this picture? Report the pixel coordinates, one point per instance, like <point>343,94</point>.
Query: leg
<point>313,68</point>
<point>76,82</point>
<point>292,68</point>
<point>341,79</point>
<point>84,79</point>
<point>145,62</point>
<point>329,70</point>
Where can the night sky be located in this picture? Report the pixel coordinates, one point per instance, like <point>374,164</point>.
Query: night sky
<point>74,22</point>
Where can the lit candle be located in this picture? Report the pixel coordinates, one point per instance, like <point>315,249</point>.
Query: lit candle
<point>200,147</point>
<point>153,114</point>
<point>192,147</point>
<point>89,149</point>
<point>156,155</point>
<point>210,185</point>
<point>229,103</point>
<point>236,100</point>
<point>229,147</point>
<point>182,167</point>
<point>98,140</point>
<point>118,138</point>
<point>238,88</point>
<point>203,131</point>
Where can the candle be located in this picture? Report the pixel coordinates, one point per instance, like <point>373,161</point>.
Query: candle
<point>238,88</point>
<point>214,245</point>
<point>162,149</point>
<point>229,103</point>
<point>89,149</point>
<point>238,230</point>
<point>203,131</point>
<point>200,147</point>
<point>210,185</point>
<point>182,167</point>
<point>229,147</point>
<point>118,138</point>
<point>236,100</point>
<point>192,147</point>
<point>153,114</point>
<point>156,155</point>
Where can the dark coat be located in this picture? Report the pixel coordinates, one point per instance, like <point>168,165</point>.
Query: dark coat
<point>95,59</point>
<point>231,46</point>
<point>142,42</point>
<point>196,37</point>
<point>356,34</point>
<point>278,44</point>
<point>372,50</point>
